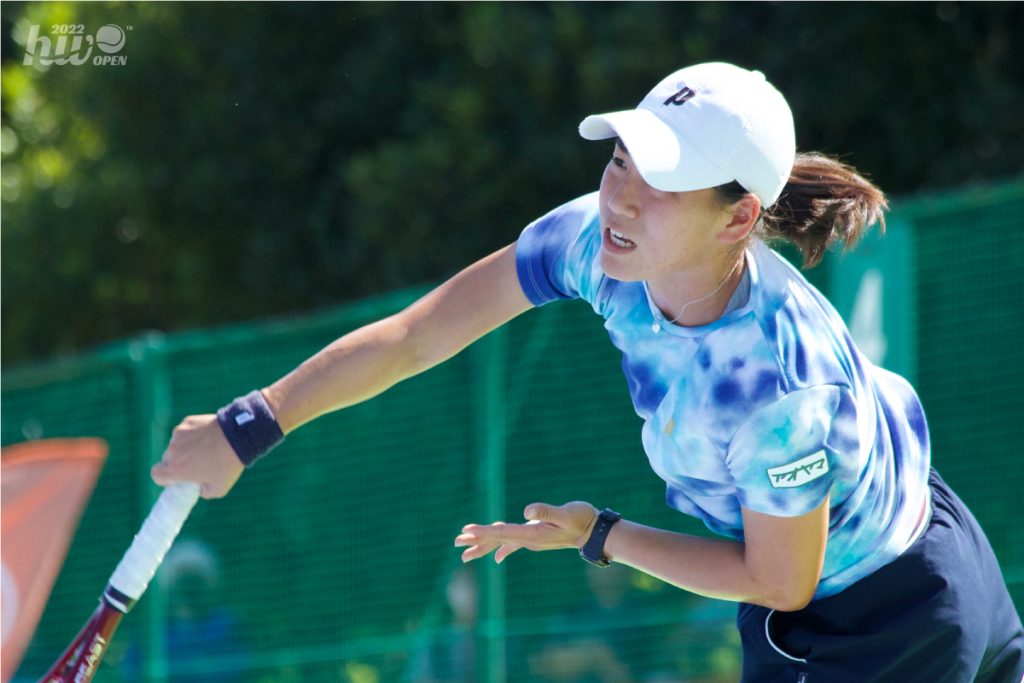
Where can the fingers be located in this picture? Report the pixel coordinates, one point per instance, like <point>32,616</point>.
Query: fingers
<point>539,512</point>
<point>524,534</point>
<point>162,474</point>
<point>198,452</point>
<point>548,527</point>
<point>504,551</point>
<point>480,540</point>
<point>476,548</point>
<point>570,514</point>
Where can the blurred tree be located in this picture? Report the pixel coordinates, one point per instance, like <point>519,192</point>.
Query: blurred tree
<point>259,159</point>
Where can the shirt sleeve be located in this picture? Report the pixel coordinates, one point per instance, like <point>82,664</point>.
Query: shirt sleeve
<point>558,255</point>
<point>787,455</point>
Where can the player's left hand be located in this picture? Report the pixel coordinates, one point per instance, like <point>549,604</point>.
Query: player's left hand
<point>548,527</point>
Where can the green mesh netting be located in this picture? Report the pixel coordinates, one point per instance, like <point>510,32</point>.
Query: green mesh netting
<point>332,560</point>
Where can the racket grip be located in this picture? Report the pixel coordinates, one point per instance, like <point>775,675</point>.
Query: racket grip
<point>152,542</point>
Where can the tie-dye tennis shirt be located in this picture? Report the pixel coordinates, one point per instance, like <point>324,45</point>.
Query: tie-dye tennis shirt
<point>771,407</point>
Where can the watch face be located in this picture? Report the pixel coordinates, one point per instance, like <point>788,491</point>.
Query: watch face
<point>610,515</point>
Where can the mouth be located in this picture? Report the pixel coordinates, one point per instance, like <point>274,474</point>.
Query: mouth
<point>617,242</point>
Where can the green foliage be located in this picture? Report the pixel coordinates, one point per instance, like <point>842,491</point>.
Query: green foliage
<point>259,159</point>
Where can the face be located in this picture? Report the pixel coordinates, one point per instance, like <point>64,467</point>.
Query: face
<point>652,235</point>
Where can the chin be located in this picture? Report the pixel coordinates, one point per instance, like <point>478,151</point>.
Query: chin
<point>614,268</point>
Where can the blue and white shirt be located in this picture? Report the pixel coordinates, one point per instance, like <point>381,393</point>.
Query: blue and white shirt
<point>771,407</point>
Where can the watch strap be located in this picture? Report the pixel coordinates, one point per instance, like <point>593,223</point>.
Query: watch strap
<point>593,550</point>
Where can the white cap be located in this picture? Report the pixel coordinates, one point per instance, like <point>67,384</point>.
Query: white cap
<point>707,125</point>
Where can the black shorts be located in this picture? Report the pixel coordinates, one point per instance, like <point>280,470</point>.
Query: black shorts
<point>938,613</point>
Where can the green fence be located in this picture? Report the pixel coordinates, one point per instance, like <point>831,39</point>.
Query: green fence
<point>332,560</point>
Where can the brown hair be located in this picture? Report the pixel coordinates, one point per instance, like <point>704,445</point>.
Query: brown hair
<point>824,202</point>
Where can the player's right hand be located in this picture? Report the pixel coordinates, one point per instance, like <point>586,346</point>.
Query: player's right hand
<point>199,452</point>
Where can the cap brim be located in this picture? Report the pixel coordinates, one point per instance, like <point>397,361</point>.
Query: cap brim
<point>665,160</point>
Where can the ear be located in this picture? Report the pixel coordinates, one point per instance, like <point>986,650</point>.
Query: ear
<point>741,218</point>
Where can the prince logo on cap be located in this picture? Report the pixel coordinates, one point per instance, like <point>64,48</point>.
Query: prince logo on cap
<point>681,97</point>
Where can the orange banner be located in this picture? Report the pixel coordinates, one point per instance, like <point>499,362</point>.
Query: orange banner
<point>44,486</point>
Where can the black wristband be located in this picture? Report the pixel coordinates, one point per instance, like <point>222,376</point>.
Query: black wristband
<point>250,427</point>
<point>593,550</point>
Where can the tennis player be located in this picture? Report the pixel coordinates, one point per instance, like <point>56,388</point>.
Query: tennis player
<point>851,560</point>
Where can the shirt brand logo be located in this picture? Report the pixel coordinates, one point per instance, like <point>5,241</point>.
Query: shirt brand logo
<point>244,418</point>
<point>799,472</point>
<point>681,97</point>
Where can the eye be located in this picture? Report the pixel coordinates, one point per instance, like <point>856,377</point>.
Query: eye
<point>618,161</point>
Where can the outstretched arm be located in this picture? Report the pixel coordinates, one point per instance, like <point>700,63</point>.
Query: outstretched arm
<point>372,359</point>
<point>778,565</point>
<point>358,366</point>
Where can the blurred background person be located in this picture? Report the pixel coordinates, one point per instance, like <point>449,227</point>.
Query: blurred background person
<point>451,655</point>
<point>199,624</point>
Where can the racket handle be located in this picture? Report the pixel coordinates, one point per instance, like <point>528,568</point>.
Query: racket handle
<point>133,573</point>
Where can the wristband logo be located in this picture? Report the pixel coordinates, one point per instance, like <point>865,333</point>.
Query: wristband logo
<point>69,44</point>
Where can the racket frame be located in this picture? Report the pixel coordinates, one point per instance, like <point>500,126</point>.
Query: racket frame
<point>82,657</point>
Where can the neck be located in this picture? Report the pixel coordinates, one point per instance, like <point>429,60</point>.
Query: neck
<point>697,298</point>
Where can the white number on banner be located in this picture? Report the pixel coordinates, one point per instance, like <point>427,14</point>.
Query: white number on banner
<point>866,323</point>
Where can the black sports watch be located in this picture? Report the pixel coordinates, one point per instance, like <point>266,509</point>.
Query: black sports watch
<point>593,550</point>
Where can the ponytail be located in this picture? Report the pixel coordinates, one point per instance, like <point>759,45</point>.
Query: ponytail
<point>824,202</point>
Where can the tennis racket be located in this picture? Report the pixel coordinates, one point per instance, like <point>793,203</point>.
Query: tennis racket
<point>80,660</point>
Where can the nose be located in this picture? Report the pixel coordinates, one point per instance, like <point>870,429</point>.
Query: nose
<point>622,194</point>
